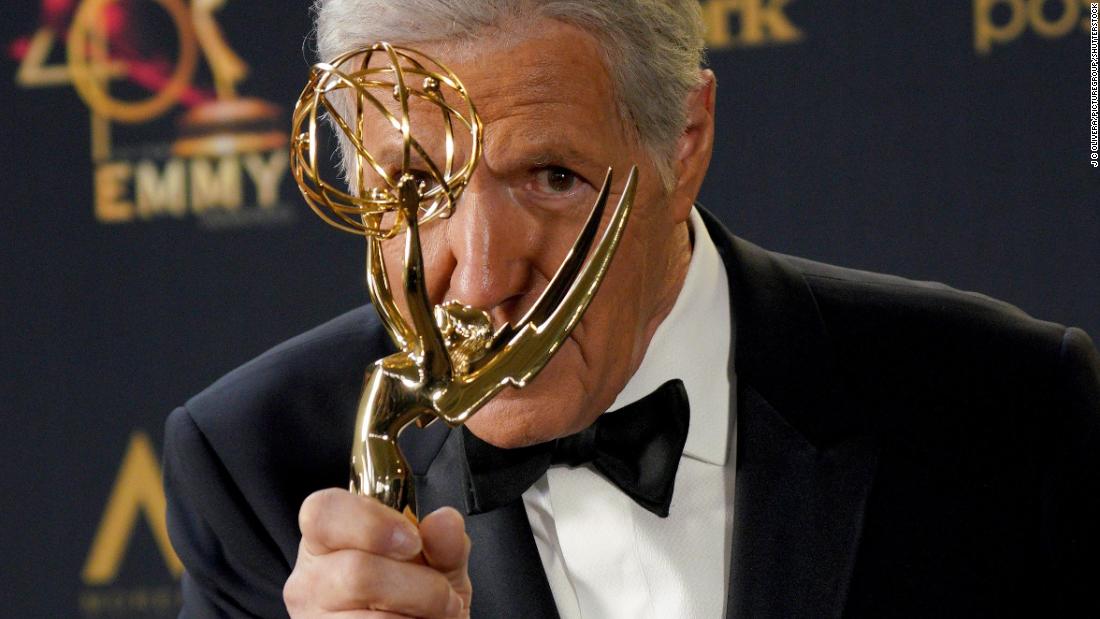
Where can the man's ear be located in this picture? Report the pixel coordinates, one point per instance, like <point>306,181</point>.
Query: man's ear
<point>694,147</point>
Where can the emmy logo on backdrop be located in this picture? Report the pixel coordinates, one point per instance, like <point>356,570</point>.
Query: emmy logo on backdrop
<point>450,361</point>
<point>132,64</point>
<point>228,124</point>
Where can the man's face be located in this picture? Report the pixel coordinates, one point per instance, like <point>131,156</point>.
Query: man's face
<point>552,129</point>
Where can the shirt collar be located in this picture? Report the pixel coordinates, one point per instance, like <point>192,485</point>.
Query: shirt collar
<point>693,343</point>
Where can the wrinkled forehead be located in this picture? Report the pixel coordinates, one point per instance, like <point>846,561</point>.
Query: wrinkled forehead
<point>542,82</point>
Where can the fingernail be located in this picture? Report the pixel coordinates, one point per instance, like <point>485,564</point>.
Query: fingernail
<point>405,543</point>
<point>454,605</point>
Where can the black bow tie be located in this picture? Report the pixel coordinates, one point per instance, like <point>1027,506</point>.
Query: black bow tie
<point>637,448</point>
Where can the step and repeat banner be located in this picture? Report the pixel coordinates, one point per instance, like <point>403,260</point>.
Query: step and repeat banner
<point>153,239</point>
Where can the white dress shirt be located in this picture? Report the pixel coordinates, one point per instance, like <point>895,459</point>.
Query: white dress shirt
<point>604,555</point>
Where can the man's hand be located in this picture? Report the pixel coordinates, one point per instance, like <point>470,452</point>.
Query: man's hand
<point>359,555</point>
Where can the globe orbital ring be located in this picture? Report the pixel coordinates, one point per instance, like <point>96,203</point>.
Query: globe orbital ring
<point>361,214</point>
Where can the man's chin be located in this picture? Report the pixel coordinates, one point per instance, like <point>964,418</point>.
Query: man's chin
<point>514,419</point>
<point>552,405</point>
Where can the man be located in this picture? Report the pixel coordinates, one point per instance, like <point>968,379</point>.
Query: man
<point>858,444</point>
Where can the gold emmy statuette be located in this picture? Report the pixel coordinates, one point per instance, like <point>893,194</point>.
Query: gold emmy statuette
<point>450,361</point>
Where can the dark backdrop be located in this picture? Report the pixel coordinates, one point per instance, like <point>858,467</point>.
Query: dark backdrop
<point>945,141</point>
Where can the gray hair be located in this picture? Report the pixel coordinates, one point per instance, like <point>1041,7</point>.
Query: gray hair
<point>652,49</point>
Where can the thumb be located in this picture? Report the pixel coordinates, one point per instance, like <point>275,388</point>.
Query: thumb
<point>447,549</point>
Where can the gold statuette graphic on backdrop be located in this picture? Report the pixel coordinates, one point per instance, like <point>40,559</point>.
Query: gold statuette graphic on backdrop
<point>450,360</point>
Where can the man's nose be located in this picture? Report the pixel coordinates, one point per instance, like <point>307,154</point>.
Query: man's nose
<point>490,240</point>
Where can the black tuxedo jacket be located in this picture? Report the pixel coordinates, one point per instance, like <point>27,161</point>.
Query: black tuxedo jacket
<point>904,450</point>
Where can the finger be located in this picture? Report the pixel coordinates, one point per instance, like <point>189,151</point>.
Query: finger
<point>314,577</point>
<point>359,580</point>
<point>335,519</point>
<point>447,549</point>
<point>446,546</point>
<point>368,614</point>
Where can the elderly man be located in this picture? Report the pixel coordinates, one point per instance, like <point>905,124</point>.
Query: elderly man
<point>829,442</point>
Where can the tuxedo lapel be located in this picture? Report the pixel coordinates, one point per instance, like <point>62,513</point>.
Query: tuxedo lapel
<point>805,463</point>
<point>798,515</point>
<point>505,567</point>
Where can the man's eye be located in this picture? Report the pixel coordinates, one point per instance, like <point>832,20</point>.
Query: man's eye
<point>556,179</point>
<point>425,178</point>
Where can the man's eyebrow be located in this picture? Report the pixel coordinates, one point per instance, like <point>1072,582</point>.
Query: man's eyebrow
<point>566,156</point>
<point>389,157</point>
